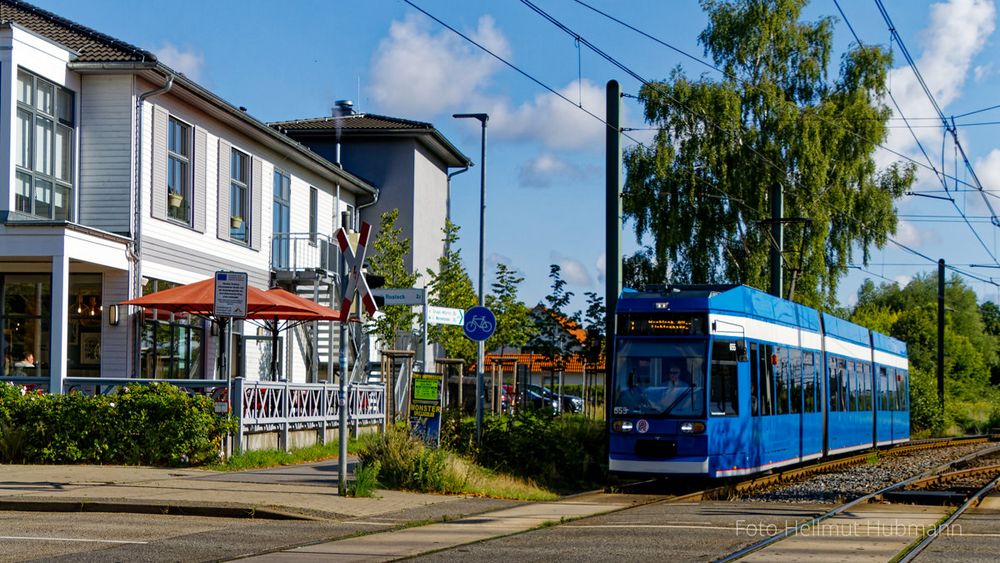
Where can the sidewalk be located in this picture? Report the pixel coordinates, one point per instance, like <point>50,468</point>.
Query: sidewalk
<point>304,491</point>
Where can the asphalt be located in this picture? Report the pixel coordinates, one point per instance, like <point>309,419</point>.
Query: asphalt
<point>301,492</point>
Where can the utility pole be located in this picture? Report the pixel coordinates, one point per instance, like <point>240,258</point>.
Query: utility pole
<point>342,385</point>
<point>612,230</point>
<point>940,335</point>
<point>777,239</point>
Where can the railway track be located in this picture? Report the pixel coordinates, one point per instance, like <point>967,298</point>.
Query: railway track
<point>934,477</point>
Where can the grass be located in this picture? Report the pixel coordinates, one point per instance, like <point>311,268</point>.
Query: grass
<point>483,482</point>
<point>274,458</point>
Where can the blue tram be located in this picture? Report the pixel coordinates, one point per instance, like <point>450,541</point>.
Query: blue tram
<point>724,381</point>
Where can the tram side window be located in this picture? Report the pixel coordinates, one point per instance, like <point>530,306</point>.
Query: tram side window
<point>883,383</point>
<point>795,356</point>
<point>845,385</point>
<point>854,369</point>
<point>723,385</point>
<point>892,389</point>
<point>766,380</point>
<point>754,388</point>
<point>833,385</point>
<point>869,388</point>
<point>904,390</point>
<point>781,380</point>
<point>809,377</point>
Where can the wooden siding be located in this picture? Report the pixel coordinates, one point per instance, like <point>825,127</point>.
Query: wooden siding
<point>200,178</point>
<point>169,253</point>
<point>105,155</point>
<point>115,339</point>
<point>158,177</point>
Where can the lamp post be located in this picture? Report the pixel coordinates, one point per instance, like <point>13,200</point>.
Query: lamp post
<point>481,348</point>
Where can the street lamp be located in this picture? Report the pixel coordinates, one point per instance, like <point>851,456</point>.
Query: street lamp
<point>481,348</point>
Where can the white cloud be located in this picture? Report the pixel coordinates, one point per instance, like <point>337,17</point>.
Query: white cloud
<point>188,63</point>
<point>547,169</point>
<point>416,73</point>
<point>573,271</point>
<point>602,267</point>
<point>988,171</point>
<point>909,234</point>
<point>902,280</point>
<point>955,35</point>
<point>982,72</point>
<point>552,120</point>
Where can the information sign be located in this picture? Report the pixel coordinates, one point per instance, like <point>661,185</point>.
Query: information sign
<point>404,296</point>
<point>445,316</point>
<point>425,407</point>
<point>231,294</point>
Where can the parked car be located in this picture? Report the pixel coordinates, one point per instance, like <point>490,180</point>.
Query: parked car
<point>570,403</point>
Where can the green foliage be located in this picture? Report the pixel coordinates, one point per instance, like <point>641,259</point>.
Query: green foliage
<point>273,458</point>
<point>551,338</point>
<point>776,120</point>
<point>971,349</point>
<point>365,480</point>
<point>407,462</point>
<point>155,424</point>
<point>389,261</point>
<point>514,325</point>
<point>451,286</point>
<point>594,324</point>
<point>566,452</point>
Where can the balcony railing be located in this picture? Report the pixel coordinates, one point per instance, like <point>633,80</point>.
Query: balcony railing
<point>300,252</point>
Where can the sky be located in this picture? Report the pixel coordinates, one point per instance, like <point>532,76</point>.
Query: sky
<point>545,160</point>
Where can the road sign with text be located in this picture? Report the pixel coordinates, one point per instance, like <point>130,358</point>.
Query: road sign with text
<point>404,296</point>
<point>231,294</point>
<point>445,316</point>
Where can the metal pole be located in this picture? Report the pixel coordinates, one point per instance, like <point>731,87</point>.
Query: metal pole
<point>940,334</point>
<point>481,347</point>
<point>777,242</point>
<point>423,332</point>
<point>612,229</point>
<point>342,392</point>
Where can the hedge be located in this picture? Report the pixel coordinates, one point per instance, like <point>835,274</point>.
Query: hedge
<point>157,424</point>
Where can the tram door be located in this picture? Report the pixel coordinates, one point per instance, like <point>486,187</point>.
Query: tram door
<point>754,446</point>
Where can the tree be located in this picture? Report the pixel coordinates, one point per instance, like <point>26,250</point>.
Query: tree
<point>593,323</point>
<point>552,339</point>
<point>514,327</point>
<point>388,261</point>
<point>451,286</point>
<point>774,119</point>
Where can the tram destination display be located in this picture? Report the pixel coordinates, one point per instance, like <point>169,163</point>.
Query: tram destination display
<point>661,324</point>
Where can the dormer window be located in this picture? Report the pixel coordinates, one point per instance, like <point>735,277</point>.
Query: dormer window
<point>44,148</point>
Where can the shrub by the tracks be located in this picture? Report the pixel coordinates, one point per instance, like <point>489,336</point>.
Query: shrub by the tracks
<point>564,452</point>
<point>155,424</point>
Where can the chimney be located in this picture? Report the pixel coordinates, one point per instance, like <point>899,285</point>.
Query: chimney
<point>342,108</point>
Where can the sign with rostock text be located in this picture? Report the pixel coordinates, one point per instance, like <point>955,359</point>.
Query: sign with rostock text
<point>403,296</point>
<point>445,316</point>
<point>231,294</point>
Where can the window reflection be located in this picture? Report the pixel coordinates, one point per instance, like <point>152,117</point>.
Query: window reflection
<point>171,342</point>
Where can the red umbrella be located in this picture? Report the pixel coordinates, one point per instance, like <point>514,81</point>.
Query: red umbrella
<point>199,299</point>
<point>288,300</point>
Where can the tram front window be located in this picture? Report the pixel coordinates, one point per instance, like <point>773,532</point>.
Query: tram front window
<point>660,378</point>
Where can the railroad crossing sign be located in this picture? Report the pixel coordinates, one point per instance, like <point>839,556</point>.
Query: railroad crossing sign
<point>479,323</point>
<point>356,282</point>
<point>230,294</point>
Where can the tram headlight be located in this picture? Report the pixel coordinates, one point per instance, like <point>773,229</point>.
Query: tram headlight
<point>622,426</point>
<point>692,427</point>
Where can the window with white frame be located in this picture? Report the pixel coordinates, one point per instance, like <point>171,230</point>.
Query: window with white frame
<point>179,171</point>
<point>44,148</point>
<point>239,192</point>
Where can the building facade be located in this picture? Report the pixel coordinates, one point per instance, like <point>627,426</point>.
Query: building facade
<point>122,177</point>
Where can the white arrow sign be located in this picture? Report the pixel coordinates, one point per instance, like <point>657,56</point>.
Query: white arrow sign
<point>445,316</point>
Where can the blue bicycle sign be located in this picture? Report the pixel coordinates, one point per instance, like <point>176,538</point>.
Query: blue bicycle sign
<point>479,323</point>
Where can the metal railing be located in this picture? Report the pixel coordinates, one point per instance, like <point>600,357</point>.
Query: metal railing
<point>298,252</point>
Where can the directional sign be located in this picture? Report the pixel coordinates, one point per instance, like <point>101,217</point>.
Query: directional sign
<point>479,323</point>
<point>405,296</point>
<point>445,316</point>
<point>356,282</point>
<point>231,294</point>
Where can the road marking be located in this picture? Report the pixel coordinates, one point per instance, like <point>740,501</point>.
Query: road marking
<point>651,526</point>
<point>370,523</point>
<point>40,538</point>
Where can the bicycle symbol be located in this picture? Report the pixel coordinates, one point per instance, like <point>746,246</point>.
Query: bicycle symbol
<point>480,323</point>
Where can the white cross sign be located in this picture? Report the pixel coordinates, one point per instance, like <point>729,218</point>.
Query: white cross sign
<point>355,279</point>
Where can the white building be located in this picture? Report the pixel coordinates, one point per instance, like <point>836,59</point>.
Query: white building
<point>123,177</point>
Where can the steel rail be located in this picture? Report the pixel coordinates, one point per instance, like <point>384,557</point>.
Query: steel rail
<point>953,475</point>
<point>790,531</point>
<point>908,555</point>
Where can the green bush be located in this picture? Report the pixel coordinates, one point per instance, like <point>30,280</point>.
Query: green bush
<point>565,452</point>
<point>156,424</point>
<point>407,462</point>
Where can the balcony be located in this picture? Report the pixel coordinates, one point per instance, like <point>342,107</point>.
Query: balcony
<point>297,256</point>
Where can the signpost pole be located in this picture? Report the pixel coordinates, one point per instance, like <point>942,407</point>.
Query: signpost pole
<point>423,332</point>
<point>342,388</point>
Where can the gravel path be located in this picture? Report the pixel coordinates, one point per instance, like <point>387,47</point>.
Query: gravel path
<point>863,479</point>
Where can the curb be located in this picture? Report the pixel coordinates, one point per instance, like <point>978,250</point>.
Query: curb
<point>176,509</point>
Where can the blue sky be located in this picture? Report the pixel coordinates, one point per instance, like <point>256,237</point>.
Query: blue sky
<point>545,184</point>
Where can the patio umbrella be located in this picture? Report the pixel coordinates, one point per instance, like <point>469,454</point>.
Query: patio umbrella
<point>272,320</point>
<point>199,299</point>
